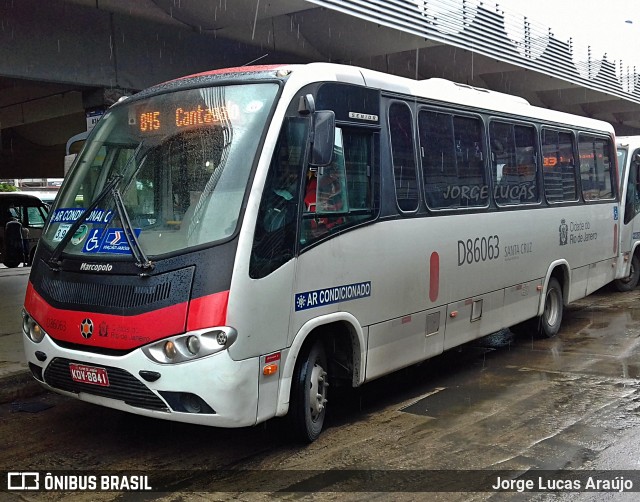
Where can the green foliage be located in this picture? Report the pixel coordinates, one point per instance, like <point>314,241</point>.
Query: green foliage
<point>5,187</point>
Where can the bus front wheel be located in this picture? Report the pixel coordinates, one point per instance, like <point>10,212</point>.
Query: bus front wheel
<point>551,318</point>
<point>309,393</point>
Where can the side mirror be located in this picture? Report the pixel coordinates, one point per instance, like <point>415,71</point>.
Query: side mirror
<point>323,137</point>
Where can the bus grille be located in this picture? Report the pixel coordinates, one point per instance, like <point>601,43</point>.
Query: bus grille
<point>131,294</point>
<point>123,386</point>
<point>110,295</point>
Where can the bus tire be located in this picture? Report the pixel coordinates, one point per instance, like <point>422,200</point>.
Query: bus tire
<point>630,282</point>
<point>551,318</point>
<point>309,393</point>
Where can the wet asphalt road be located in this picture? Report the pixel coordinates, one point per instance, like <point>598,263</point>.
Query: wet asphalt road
<point>506,402</point>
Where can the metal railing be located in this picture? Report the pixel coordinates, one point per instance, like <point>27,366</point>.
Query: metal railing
<point>485,28</point>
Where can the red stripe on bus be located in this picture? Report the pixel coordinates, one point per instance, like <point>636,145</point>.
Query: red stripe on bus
<point>434,276</point>
<point>109,331</point>
<point>207,311</point>
<point>237,69</point>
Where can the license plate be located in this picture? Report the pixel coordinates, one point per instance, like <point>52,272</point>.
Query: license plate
<point>89,374</point>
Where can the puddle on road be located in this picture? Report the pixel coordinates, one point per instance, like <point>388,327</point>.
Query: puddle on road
<point>591,343</point>
<point>452,401</point>
<point>30,407</point>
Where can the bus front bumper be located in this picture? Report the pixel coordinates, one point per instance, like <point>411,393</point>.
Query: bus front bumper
<point>213,390</point>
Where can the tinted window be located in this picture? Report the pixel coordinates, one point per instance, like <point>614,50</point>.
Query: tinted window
<point>29,212</point>
<point>632,202</point>
<point>514,165</point>
<point>402,150</point>
<point>340,194</point>
<point>35,216</point>
<point>559,166</point>
<point>595,167</point>
<point>452,160</point>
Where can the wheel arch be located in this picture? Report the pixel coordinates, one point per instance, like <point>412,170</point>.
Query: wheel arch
<point>561,271</point>
<point>635,251</point>
<point>342,336</point>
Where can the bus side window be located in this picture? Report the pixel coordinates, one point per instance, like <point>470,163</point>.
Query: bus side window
<point>339,195</point>
<point>438,159</point>
<point>559,167</point>
<point>635,167</point>
<point>331,186</point>
<point>513,151</point>
<point>402,151</point>
<point>470,161</point>
<point>595,167</point>
<point>452,160</point>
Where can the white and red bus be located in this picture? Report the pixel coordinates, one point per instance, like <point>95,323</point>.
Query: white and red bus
<point>628,148</point>
<point>228,244</point>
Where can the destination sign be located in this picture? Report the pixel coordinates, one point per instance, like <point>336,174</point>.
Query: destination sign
<point>182,116</point>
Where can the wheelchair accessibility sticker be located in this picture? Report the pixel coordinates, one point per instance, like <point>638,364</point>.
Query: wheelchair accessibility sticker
<point>112,241</point>
<point>321,297</point>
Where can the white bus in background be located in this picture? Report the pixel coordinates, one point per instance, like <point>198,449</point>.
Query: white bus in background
<point>73,147</point>
<point>227,245</point>
<point>628,148</point>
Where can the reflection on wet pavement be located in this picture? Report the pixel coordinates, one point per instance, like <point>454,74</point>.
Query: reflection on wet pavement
<point>524,403</point>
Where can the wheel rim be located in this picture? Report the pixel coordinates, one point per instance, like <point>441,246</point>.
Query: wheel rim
<point>552,307</point>
<point>318,391</point>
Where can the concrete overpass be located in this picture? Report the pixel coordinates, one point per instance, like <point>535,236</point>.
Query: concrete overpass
<point>62,60</point>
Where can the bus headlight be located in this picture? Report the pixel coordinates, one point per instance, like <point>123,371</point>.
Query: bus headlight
<point>170,350</point>
<point>191,345</point>
<point>31,328</point>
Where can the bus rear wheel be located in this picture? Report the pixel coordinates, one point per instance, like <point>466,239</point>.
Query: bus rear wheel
<point>551,317</point>
<point>630,282</point>
<point>309,393</point>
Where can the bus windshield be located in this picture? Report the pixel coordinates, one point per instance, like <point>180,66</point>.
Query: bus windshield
<point>180,163</point>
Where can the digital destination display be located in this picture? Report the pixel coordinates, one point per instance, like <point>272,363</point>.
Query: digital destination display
<point>155,120</point>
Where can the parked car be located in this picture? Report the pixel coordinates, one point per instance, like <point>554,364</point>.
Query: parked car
<point>22,218</point>
<point>46,196</point>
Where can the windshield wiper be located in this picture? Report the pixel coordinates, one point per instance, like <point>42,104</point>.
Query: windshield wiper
<point>142,260</point>
<point>112,183</point>
<point>111,187</point>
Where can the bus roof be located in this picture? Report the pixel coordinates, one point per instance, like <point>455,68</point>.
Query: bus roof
<point>436,89</point>
<point>628,142</point>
